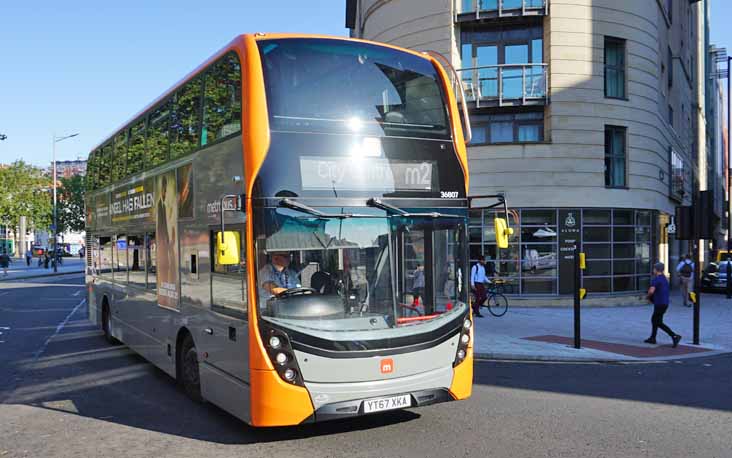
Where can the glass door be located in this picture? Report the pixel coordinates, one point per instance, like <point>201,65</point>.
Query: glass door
<point>487,56</point>
<point>513,77</point>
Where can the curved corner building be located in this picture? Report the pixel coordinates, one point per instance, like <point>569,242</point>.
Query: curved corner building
<point>586,114</point>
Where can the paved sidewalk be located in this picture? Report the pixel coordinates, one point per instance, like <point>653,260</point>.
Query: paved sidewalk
<point>608,334</point>
<point>18,269</point>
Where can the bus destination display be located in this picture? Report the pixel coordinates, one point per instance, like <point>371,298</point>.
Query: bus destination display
<point>367,174</point>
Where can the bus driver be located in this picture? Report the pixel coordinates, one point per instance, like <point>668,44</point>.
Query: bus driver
<point>277,276</point>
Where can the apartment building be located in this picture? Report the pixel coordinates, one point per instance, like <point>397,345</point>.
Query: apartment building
<point>590,115</point>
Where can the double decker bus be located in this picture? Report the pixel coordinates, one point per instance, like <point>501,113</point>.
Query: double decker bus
<point>284,231</point>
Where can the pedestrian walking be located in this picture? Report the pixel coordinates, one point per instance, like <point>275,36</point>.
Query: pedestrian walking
<point>478,282</point>
<point>46,259</point>
<point>28,257</point>
<point>686,278</point>
<point>5,262</point>
<point>658,295</point>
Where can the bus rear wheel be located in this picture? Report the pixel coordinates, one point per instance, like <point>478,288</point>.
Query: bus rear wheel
<point>190,378</point>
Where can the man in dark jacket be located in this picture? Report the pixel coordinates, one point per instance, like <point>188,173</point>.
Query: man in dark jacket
<point>658,295</point>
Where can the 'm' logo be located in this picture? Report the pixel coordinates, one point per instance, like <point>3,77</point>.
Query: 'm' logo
<point>387,366</point>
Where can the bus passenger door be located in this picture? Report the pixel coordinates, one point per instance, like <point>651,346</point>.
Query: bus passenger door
<point>226,331</point>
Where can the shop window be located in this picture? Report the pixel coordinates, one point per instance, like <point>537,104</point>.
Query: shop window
<point>621,284</point>
<point>596,234</point>
<point>597,250</point>
<point>597,285</point>
<point>596,217</point>
<point>539,286</point>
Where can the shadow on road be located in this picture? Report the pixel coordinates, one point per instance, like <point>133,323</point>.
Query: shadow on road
<point>82,375</point>
<point>699,383</point>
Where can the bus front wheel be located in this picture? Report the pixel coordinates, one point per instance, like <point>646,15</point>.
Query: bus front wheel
<point>107,325</point>
<point>190,379</point>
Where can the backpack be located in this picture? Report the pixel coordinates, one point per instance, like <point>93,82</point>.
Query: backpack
<point>686,270</point>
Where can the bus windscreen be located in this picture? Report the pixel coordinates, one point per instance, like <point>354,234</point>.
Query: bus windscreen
<point>333,86</point>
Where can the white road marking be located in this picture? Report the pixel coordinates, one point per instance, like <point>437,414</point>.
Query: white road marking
<point>76,294</point>
<point>61,325</point>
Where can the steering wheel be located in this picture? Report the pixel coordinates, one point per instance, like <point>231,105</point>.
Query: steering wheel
<point>295,292</point>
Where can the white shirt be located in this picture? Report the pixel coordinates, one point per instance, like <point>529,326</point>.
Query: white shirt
<point>477,274</point>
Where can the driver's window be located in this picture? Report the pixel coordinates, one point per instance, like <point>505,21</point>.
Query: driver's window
<point>229,282</point>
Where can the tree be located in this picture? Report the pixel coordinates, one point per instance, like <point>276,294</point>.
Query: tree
<point>24,191</point>
<point>70,206</point>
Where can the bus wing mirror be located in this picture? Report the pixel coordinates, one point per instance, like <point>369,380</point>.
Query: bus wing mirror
<point>228,245</point>
<point>503,232</point>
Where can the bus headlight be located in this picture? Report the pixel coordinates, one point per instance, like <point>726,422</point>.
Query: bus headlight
<point>463,342</point>
<point>290,375</point>
<point>275,342</point>
<point>280,353</point>
<point>281,358</point>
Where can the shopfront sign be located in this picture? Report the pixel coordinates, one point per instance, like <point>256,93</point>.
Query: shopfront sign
<point>570,237</point>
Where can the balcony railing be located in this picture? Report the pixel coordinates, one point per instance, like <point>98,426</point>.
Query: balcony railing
<point>481,9</point>
<point>509,84</point>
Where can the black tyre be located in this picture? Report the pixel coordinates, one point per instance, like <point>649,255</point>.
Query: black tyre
<point>190,379</point>
<point>497,304</point>
<point>107,325</point>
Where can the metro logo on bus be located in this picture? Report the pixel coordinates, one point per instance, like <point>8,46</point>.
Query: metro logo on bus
<point>387,366</point>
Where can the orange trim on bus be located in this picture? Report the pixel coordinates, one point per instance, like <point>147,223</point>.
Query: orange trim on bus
<point>275,402</point>
<point>457,128</point>
<point>462,378</point>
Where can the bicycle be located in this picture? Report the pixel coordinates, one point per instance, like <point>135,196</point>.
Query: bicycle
<point>496,302</point>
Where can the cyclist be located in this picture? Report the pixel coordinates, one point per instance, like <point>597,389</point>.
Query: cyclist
<point>478,283</point>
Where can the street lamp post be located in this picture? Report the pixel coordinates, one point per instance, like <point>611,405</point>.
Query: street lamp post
<point>55,220</point>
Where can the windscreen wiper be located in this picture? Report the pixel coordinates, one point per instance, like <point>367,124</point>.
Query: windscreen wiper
<point>293,205</point>
<point>377,203</point>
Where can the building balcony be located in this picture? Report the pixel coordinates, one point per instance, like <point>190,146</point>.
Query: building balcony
<point>471,10</point>
<point>505,85</point>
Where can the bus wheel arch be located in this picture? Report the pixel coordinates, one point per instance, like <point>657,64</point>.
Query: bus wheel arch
<point>187,365</point>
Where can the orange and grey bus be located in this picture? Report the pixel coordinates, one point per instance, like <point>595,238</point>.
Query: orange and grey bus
<point>284,231</point>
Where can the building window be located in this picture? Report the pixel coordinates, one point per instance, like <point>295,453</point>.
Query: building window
<point>503,64</point>
<point>670,115</point>
<point>615,68</point>
<point>615,157</point>
<point>508,128</point>
<point>618,245</point>
<point>678,176</point>
<point>670,68</point>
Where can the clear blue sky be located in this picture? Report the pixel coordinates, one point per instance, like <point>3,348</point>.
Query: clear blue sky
<point>88,66</point>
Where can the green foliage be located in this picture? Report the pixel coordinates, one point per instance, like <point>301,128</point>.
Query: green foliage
<point>25,191</point>
<point>70,205</point>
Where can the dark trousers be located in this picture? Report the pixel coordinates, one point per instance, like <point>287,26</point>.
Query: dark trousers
<point>480,297</point>
<point>657,321</point>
